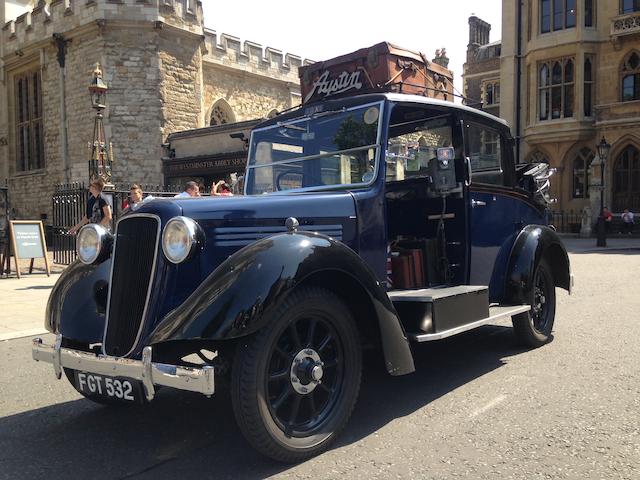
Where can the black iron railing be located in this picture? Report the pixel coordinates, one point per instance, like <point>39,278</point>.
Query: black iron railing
<point>69,206</point>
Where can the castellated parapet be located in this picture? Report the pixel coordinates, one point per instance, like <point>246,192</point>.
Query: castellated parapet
<point>165,73</point>
<point>250,57</point>
<point>66,15</point>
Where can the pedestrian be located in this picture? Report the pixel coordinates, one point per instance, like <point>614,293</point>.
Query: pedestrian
<point>191,189</point>
<point>221,189</point>
<point>627,222</point>
<point>136,197</point>
<point>606,216</point>
<point>98,208</point>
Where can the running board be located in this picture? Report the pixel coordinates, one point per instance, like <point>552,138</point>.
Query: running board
<point>495,313</point>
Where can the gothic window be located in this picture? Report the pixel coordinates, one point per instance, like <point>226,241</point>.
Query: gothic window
<point>29,130</point>
<point>629,6</point>
<point>588,13</point>
<point>557,15</point>
<point>221,113</point>
<point>631,77</point>
<point>492,93</point>
<point>588,87</point>
<point>581,176</point>
<point>555,89</point>
<point>538,157</point>
<point>626,180</point>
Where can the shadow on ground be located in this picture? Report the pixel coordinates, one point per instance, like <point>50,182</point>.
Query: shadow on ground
<point>37,287</point>
<point>189,436</point>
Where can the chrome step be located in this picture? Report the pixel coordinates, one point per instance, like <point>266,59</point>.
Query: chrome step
<point>495,313</point>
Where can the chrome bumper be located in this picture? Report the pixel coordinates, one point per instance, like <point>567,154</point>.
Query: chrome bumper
<point>149,373</point>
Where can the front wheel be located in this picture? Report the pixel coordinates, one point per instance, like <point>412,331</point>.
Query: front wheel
<point>295,382</point>
<point>533,328</point>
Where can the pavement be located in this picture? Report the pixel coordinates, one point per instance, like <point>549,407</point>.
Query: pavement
<point>23,301</point>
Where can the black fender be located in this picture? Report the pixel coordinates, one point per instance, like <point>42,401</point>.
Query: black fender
<point>77,303</point>
<point>236,298</point>
<point>534,243</point>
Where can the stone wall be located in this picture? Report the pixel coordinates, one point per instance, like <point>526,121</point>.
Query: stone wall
<point>248,97</point>
<point>164,71</point>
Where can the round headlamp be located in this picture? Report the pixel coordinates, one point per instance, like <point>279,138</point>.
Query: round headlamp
<point>92,243</point>
<point>179,239</point>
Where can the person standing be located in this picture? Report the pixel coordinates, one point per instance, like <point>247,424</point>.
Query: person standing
<point>627,221</point>
<point>136,198</point>
<point>221,189</point>
<point>191,189</point>
<point>98,208</point>
<point>607,217</point>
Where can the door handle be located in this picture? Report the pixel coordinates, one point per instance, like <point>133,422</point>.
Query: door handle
<point>478,203</point>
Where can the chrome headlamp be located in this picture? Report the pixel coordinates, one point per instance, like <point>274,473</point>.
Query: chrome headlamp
<point>93,243</point>
<point>180,237</point>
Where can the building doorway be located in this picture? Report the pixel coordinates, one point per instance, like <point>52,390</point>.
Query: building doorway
<point>626,180</point>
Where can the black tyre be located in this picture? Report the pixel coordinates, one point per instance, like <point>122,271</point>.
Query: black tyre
<point>295,383</point>
<point>533,328</point>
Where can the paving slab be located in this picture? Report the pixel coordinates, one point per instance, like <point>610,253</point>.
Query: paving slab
<point>22,304</point>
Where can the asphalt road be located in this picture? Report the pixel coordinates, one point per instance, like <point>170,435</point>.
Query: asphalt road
<point>478,407</point>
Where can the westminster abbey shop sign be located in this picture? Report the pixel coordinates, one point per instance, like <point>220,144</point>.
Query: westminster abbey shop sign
<point>207,164</point>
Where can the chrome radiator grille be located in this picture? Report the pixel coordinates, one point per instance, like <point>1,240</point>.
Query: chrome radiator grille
<point>134,259</point>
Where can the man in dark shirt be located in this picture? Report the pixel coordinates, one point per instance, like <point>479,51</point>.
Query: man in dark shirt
<point>98,208</point>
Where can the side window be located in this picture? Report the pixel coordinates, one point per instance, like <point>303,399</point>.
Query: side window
<point>485,153</point>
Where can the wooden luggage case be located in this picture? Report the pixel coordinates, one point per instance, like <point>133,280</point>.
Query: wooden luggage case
<point>381,68</point>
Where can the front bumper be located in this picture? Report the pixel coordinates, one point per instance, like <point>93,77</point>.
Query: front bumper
<point>147,372</point>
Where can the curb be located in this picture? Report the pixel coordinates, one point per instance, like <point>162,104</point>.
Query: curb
<point>24,333</point>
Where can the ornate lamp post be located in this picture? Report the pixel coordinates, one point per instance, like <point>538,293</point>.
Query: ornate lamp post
<point>603,152</point>
<point>101,152</point>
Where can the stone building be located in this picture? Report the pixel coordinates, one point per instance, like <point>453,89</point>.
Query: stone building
<point>165,71</point>
<point>481,86</point>
<point>569,75</point>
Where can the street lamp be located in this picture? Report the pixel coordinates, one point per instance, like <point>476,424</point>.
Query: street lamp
<point>101,152</point>
<point>603,152</point>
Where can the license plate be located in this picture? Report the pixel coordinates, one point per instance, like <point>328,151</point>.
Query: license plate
<point>111,387</point>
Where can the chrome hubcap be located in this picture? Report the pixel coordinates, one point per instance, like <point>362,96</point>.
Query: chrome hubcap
<point>306,371</point>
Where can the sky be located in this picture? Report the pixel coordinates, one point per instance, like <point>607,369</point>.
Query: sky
<point>327,28</point>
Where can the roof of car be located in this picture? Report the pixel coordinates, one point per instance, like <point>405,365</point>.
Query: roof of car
<point>394,97</point>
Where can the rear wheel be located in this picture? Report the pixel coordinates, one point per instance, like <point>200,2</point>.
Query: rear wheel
<point>533,328</point>
<point>295,383</point>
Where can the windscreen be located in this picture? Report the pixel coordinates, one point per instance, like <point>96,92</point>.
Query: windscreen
<point>330,148</point>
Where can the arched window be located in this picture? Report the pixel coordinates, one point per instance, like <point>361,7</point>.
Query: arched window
<point>272,113</point>
<point>581,177</point>
<point>630,75</point>
<point>492,93</point>
<point>555,94</point>
<point>588,87</point>
<point>221,113</point>
<point>538,157</point>
<point>626,180</point>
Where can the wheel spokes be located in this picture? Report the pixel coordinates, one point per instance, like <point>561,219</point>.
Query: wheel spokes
<point>295,336</point>
<point>279,375</point>
<point>325,341</point>
<point>295,408</point>
<point>282,398</point>
<point>311,332</point>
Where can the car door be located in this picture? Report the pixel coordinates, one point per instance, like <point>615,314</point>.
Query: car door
<point>495,216</point>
